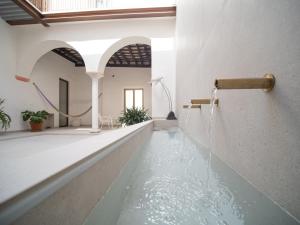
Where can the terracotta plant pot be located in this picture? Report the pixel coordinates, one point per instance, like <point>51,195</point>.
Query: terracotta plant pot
<point>36,126</point>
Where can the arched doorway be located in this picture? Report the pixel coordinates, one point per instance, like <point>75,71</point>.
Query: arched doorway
<point>127,73</point>
<point>59,73</point>
<point>118,45</point>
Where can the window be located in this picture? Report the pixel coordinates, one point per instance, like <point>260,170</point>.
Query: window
<point>133,98</point>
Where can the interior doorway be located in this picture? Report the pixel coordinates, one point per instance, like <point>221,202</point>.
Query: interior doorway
<point>63,102</point>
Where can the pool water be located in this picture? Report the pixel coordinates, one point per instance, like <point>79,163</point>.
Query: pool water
<point>171,182</point>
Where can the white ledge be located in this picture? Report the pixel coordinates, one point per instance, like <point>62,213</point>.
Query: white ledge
<point>22,173</point>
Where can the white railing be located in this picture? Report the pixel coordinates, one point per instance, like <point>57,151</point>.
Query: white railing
<point>70,5</point>
<point>81,5</point>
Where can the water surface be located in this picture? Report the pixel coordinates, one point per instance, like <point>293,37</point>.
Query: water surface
<point>173,185</point>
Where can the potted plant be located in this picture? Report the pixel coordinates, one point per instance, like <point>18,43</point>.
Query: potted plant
<point>35,118</point>
<point>5,119</point>
<point>134,116</point>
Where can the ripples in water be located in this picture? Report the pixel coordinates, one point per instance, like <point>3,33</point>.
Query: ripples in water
<point>169,187</point>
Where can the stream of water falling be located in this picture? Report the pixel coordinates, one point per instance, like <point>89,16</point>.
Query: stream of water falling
<point>213,100</point>
<point>187,118</point>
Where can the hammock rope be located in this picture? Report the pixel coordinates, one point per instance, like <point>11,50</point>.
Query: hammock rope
<point>56,109</point>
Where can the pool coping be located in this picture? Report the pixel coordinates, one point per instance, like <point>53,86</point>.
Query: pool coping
<point>87,152</point>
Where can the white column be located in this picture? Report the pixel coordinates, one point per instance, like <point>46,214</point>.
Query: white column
<point>95,105</point>
<point>95,100</point>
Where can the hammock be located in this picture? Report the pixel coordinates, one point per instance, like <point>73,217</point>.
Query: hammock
<point>56,109</point>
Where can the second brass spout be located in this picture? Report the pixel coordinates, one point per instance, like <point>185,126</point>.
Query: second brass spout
<point>193,106</point>
<point>205,101</point>
<point>267,83</point>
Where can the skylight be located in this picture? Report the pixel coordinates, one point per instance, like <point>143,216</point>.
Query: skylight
<point>52,6</point>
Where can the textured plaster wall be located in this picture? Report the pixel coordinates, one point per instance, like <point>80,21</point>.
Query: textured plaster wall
<point>255,133</point>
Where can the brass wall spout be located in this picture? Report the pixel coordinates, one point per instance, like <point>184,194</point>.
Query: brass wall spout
<point>205,101</point>
<point>193,106</point>
<point>267,83</point>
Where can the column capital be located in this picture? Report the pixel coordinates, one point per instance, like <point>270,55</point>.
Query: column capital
<point>96,75</point>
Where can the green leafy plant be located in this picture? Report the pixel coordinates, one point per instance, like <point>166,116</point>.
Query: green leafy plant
<point>5,119</point>
<point>134,116</point>
<point>35,117</point>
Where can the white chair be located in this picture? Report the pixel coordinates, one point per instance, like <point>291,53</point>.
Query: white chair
<point>116,123</point>
<point>106,121</point>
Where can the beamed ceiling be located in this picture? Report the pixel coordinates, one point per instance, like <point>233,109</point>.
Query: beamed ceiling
<point>71,55</point>
<point>137,55</point>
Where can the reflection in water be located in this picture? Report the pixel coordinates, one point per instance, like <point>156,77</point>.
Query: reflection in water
<point>169,187</point>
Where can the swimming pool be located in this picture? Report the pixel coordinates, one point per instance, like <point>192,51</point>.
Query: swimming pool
<point>173,181</point>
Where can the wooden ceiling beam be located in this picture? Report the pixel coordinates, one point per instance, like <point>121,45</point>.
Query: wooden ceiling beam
<point>125,58</point>
<point>111,12</point>
<point>129,65</point>
<point>22,22</point>
<point>94,15</point>
<point>32,11</point>
<point>132,56</point>
<point>140,53</point>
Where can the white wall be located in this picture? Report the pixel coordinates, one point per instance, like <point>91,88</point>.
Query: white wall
<point>255,133</point>
<point>8,85</point>
<point>113,88</point>
<point>163,65</point>
<point>82,97</point>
